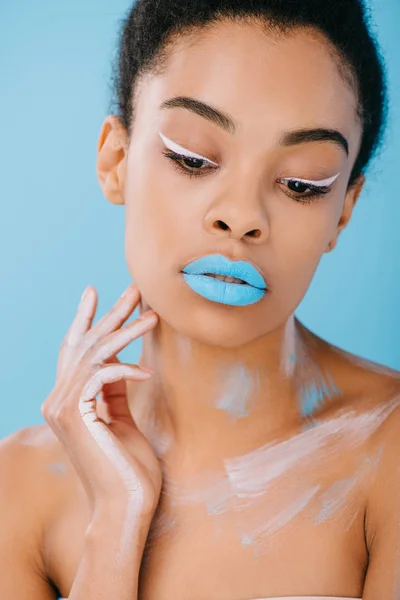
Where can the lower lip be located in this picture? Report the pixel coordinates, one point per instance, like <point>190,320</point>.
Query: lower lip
<point>234,294</point>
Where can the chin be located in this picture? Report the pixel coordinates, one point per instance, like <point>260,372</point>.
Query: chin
<point>221,336</point>
<point>214,324</point>
<point>211,323</point>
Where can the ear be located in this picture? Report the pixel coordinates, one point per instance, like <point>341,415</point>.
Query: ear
<point>348,206</point>
<point>112,150</point>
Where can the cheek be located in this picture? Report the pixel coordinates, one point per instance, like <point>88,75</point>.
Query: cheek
<point>147,216</point>
<point>161,220</point>
<point>305,235</point>
<point>302,241</point>
<point>153,236</point>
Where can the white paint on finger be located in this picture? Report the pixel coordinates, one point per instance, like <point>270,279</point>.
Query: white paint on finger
<point>82,320</point>
<point>110,445</point>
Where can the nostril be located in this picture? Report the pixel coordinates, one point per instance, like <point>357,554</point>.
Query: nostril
<point>221,224</point>
<point>254,233</point>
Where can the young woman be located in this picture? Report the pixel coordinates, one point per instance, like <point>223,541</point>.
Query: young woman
<point>244,457</point>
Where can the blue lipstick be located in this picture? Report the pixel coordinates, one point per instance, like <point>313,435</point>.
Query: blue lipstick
<point>199,275</point>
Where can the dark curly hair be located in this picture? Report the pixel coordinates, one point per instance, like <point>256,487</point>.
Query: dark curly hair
<point>151,27</point>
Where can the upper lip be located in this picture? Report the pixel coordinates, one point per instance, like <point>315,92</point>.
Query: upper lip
<point>218,264</point>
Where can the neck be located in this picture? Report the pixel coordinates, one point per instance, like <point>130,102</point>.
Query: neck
<point>205,401</point>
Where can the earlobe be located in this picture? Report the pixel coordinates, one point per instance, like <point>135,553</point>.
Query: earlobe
<point>111,154</point>
<point>347,211</point>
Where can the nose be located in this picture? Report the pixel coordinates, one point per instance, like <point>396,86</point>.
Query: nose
<point>242,221</point>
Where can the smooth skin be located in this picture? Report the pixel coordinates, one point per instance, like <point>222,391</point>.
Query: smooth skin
<point>63,502</point>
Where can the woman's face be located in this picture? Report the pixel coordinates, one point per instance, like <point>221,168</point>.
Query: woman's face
<point>238,201</point>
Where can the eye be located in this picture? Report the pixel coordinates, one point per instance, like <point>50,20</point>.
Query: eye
<point>187,162</point>
<point>300,186</point>
<point>188,165</point>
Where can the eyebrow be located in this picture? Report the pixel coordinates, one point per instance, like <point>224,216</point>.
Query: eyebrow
<point>227,123</point>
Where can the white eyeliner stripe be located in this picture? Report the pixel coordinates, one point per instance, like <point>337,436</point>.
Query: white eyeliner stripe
<point>180,150</point>
<point>322,182</point>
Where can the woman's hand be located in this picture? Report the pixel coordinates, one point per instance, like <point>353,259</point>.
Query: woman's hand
<point>114,460</point>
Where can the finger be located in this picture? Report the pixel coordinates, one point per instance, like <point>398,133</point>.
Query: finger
<point>81,323</point>
<point>137,445</point>
<point>126,431</point>
<point>121,422</point>
<point>94,443</point>
<point>115,360</point>
<point>119,339</point>
<point>119,313</point>
<point>114,397</point>
<point>122,442</point>
<point>83,319</point>
<point>107,375</point>
<point>112,391</point>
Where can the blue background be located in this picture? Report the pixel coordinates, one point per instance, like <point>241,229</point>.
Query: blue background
<point>59,233</point>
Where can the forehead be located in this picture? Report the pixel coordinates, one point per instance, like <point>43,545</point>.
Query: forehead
<point>265,82</point>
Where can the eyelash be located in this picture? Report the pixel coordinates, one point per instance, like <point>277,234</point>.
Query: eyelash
<point>315,193</point>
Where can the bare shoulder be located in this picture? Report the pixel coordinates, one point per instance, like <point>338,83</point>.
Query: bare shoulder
<point>31,462</point>
<point>37,479</point>
<point>376,391</point>
<point>33,480</point>
<point>373,394</point>
<point>382,515</point>
<point>384,403</point>
<point>371,390</point>
<point>362,381</point>
<point>27,447</point>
